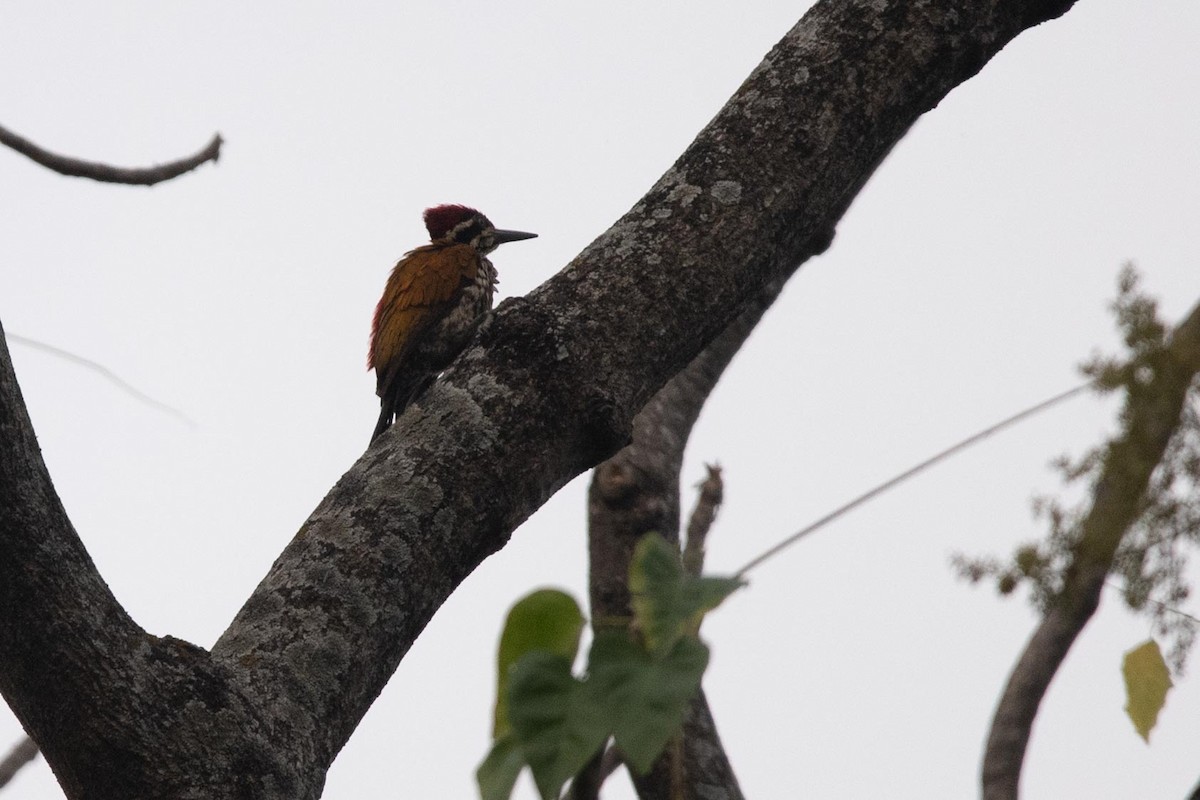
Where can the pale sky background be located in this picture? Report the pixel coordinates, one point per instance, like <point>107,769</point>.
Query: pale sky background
<point>967,281</point>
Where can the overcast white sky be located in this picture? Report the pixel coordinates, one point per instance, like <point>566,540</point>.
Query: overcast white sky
<point>966,282</point>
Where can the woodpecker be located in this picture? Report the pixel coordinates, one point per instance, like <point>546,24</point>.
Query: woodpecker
<point>434,300</point>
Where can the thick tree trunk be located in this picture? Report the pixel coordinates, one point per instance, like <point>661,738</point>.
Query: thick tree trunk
<point>549,389</point>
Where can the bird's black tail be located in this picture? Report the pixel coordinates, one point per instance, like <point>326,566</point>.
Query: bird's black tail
<point>401,396</point>
<point>386,414</point>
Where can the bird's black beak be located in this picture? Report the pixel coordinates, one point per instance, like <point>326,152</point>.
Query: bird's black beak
<point>500,237</point>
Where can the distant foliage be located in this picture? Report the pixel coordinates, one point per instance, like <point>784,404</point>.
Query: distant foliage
<point>1152,558</point>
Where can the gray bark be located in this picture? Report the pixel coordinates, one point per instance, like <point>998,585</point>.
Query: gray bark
<point>549,389</point>
<point>636,492</point>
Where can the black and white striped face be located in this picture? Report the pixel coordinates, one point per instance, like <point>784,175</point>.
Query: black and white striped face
<point>477,231</point>
<point>465,225</point>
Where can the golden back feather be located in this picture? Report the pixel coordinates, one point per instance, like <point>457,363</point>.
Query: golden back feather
<point>418,293</point>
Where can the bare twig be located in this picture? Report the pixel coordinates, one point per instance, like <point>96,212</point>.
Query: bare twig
<point>105,372</point>
<point>712,492</point>
<point>1169,609</point>
<point>21,754</point>
<point>610,762</point>
<point>136,176</point>
<point>1150,418</point>
<point>910,473</point>
<point>586,785</point>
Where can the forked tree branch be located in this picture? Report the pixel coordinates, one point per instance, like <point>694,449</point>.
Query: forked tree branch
<point>136,176</point>
<point>549,389</point>
<point>1151,417</point>
<point>636,492</point>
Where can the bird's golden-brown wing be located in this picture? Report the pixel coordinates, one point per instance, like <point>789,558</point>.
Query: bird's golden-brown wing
<point>419,291</point>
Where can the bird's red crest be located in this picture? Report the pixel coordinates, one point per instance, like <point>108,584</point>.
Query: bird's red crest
<point>440,220</point>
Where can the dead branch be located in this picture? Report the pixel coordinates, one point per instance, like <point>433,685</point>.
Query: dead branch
<point>712,492</point>
<point>135,176</point>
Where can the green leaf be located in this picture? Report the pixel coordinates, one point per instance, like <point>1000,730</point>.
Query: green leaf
<point>667,603</point>
<point>555,723</point>
<point>554,718</point>
<point>547,620</point>
<point>1147,682</point>
<point>647,696</point>
<point>498,773</point>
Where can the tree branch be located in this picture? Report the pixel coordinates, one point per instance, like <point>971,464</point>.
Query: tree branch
<point>22,753</point>
<point>100,693</point>
<point>137,176</point>
<point>712,492</point>
<point>550,388</point>
<point>637,492</point>
<point>1150,418</point>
